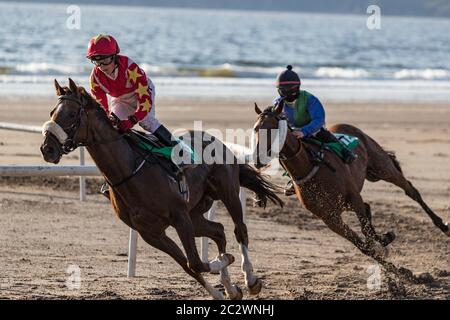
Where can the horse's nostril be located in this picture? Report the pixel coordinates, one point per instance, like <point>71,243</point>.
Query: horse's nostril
<point>48,149</point>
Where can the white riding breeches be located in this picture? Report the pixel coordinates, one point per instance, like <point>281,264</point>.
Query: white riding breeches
<point>125,106</point>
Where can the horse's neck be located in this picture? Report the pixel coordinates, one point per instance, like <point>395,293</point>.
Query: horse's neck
<point>296,158</point>
<point>115,159</point>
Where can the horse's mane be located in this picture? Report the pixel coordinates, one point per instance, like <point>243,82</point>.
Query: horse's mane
<point>91,102</point>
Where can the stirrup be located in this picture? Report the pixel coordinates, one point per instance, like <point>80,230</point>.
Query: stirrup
<point>289,189</point>
<point>104,190</point>
<point>183,185</point>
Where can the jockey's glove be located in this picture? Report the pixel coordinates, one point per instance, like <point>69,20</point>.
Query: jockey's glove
<point>125,125</point>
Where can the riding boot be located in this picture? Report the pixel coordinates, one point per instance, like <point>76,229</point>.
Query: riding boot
<point>289,189</point>
<point>326,136</point>
<point>169,140</point>
<point>166,137</point>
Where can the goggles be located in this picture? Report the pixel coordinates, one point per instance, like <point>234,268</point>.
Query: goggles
<point>102,60</point>
<point>285,92</point>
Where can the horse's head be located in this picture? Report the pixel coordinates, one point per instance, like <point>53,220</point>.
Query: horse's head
<point>269,134</point>
<point>68,126</point>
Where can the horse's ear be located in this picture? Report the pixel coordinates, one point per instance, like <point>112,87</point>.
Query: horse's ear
<point>73,87</point>
<point>257,109</point>
<point>84,96</point>
<point>279,107</point>
<point>59,89</point>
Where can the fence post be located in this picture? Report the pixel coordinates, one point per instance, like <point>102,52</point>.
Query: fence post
<point>82,179</point>
<point>132,245</point>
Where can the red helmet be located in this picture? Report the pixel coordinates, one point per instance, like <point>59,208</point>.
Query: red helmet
<point>102,45</point>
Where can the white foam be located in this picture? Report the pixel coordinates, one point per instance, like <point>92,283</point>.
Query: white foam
<point>335,72</point>
<point>428,74</point>
<point>44,68</point>
<point>244,89</point>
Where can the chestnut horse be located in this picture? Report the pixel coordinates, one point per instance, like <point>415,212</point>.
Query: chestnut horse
<point>146,197</point>
<point>329,189</point>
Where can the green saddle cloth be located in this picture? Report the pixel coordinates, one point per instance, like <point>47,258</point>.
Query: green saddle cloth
<point>350,142</point>
<point>147,144</point>
<point>345,141</point>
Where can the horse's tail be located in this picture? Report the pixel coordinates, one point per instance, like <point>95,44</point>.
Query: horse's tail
<point>391,155</point>
<point>251,179</point>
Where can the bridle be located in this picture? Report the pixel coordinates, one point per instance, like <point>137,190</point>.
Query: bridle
<point>282,121</point>
<point>66,136</point>
<point>315,158</point>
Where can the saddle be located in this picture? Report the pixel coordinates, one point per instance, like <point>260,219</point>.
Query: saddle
<point>318,157</point>
<point>345,141</point>
<point>161,154</point>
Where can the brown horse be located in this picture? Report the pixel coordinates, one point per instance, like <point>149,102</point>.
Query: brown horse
<point>146,197</point>
<point>327,192</point>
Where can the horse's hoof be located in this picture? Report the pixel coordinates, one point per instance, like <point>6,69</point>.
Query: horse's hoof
<point>229,258</point>
<point>388,237</point>
<point>256,287</point>
<point>219,287</point>
<point>239,295</point>
<point>448,229</point>
<point>407,274</point>
<point>380,252</point>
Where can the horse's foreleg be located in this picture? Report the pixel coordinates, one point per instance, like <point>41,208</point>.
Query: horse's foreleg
<point>215,231</point>
<point>337,225</point>
<point>363,212</point>
<point>168,246</point>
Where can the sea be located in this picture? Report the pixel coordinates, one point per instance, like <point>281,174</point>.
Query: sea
<point>224,54</point>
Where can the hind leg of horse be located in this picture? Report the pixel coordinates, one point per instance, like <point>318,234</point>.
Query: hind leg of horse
<point>396,177</point>
<point>234,207</point>
<point>229,195</point>
<point>215,231</point>
<point>185,230</point>
<point>363,212</point>
<point>167,245</point>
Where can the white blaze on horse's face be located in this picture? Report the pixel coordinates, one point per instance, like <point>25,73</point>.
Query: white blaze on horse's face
<point>278,138</point>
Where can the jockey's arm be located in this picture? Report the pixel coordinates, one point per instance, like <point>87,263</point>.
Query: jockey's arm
<point>98,93</point>
<point>138,79</point>
<point>317,114</point>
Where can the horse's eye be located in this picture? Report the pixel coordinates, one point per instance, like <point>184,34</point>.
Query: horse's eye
<point>73,114</point>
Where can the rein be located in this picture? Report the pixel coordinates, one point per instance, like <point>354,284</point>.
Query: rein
<point>69,144</point>
<point>315,158</point>
<point>67,135</point>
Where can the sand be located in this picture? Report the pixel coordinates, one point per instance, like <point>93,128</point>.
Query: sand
<point>44,229</point>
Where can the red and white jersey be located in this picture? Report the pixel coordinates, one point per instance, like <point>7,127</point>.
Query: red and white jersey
<point>129,84</point>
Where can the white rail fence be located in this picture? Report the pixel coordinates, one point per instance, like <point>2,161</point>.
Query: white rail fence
<point>83,170</point>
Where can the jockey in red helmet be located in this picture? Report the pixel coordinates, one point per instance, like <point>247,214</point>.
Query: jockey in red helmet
<point>132,92</point>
